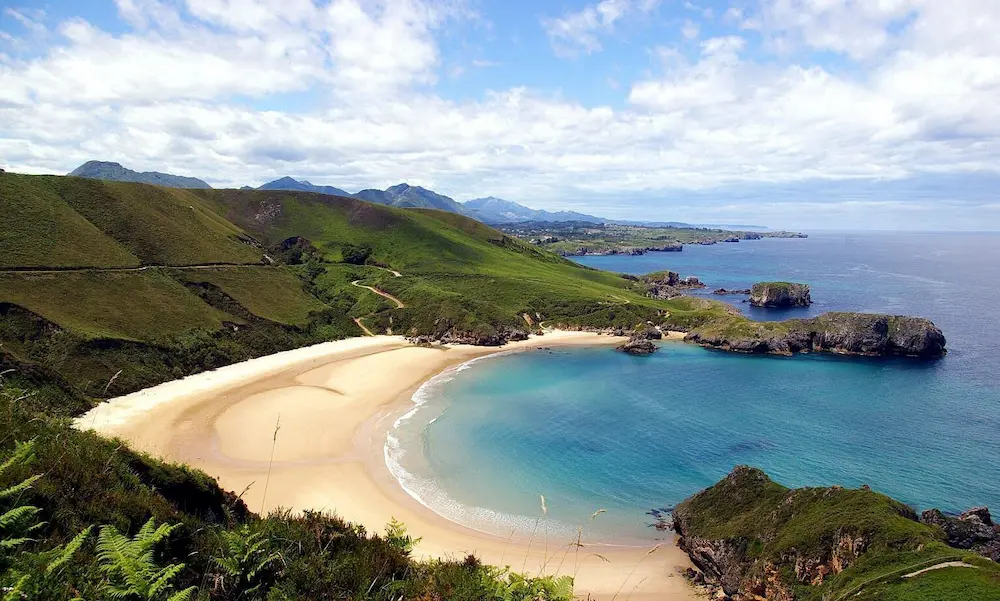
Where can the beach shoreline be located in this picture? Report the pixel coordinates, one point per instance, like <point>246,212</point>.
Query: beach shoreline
<point>332,406</point>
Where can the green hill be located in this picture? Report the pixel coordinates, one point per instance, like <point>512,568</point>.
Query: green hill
<point>101,277</point>
<point>754,538</point>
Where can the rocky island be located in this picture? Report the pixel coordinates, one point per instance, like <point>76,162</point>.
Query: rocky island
<point>753,539</point>
<point>780,295</point>
<point>863,334</point>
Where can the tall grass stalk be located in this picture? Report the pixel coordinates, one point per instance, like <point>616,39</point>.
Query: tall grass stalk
<point>634,568</point>
<point>267,480</point>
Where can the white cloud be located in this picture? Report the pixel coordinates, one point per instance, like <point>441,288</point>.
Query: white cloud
<point>579,32</point>
<point>171,95</point>
<point>690,30</point>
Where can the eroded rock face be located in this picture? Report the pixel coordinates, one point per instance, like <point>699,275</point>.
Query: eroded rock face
<point>637,344</point>
<point>780,295</point>
<point>973,530</point>
<point>862,334</point>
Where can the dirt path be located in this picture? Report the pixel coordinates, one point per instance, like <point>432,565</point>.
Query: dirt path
<point>364,329</point>
<point>126,269</point>
<point>940,566</point>
<point>392,271</point>
<point>399,303</point>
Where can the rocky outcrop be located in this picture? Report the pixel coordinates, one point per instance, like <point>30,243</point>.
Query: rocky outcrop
<point>724,291</point>
<point>638,344</point>
<point>497,337</point>
<point>862,334</point>
<point>780,295</point>
<point>755,540</point>
<point>973,530</point>
<point>665,285</point>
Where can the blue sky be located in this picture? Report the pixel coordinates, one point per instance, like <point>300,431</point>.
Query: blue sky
<point>793,113</point>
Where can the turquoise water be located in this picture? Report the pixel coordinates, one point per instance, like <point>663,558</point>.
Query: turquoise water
<point>595,429</point>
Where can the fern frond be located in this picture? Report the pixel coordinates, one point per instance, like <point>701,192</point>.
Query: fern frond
<point>24,453</point>
<point>69,550</point>
<point>184,595</point>
<point>18,488</point>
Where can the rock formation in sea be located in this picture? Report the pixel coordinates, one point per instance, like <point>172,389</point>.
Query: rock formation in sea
<point>724,291</point>
<point>864,334</point>
<point>638,344</point>
<point>665,285</point>
<point>780,295</point>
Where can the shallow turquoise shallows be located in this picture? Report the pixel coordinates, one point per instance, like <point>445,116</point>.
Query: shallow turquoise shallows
<point>595,429</point>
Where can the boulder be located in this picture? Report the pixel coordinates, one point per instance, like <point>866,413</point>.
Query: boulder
<point>780,295</point>
<point>637,344</point>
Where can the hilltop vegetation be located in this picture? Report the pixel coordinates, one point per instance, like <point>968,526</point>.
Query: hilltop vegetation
<point>158,283</point>
<point>754,538</point>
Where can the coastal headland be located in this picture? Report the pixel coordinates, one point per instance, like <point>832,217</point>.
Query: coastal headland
<point>306,429</point>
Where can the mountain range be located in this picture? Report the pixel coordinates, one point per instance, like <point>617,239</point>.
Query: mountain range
<point>115,172</point>
<point>491,210</point>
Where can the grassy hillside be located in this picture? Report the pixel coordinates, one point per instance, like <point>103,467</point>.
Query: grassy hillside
<point>300,256</point>
<point>159,226</point>
<point>41,230</point>
<point>274,293</point>
<point>822,544</point>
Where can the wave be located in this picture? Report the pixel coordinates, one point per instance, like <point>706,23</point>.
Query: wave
<point>426,491</point>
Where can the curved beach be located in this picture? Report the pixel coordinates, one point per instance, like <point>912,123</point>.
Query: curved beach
<point>332,405</point>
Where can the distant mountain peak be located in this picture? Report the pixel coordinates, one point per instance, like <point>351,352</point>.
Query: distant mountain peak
<point>112,171</point>
<point>294,185</point>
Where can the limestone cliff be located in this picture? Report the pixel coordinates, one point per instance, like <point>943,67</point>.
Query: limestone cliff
<point>780,295</point>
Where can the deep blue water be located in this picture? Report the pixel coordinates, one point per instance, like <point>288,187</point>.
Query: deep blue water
<point>591,428</point>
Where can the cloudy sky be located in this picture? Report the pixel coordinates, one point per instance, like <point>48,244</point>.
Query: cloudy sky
<point>860,114</point>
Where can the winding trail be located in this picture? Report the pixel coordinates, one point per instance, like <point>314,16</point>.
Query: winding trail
<point>357,320</point>
<point>940,566</point>
<point>399,303</point>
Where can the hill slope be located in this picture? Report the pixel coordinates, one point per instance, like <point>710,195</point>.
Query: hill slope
<point>115,172</point>
<point>498,210</point>
<point>756,539</point>
<point>157,282</point>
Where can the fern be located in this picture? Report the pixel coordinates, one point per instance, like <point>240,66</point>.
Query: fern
<point>130,567</point>
<point>246,562</point>
<point>39,577</point>
<point>17,521</point>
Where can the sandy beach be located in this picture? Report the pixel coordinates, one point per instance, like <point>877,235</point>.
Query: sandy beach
<point>336,401</point>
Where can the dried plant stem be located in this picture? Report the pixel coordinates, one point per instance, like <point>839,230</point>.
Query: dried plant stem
<point>267,480</point>
<point>634,568</point>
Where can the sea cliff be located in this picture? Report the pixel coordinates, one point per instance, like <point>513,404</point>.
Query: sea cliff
<point>754,539</point>
<point>864,334</point>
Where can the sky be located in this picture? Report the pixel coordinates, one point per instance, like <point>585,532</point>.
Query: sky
<point>823,114</point>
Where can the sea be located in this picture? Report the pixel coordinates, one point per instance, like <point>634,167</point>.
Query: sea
<point>591,429</point>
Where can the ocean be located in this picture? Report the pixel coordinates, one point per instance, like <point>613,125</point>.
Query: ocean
<point>590,428</point>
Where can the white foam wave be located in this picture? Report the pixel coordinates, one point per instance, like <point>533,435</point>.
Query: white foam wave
<point>427,492</point>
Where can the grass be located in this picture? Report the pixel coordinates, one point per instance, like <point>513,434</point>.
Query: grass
<point>159,226</point>
<point>274,293</point>
<point>42,230</point>
<point>138,306</point>
<point>777,526</point>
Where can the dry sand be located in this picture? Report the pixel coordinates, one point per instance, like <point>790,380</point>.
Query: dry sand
<point>336,401</point>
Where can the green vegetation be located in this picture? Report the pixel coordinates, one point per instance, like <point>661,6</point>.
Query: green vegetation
<point>803,534</point>
<point>277,294</point>
<point>41,230</point>
<point>579,238</point>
